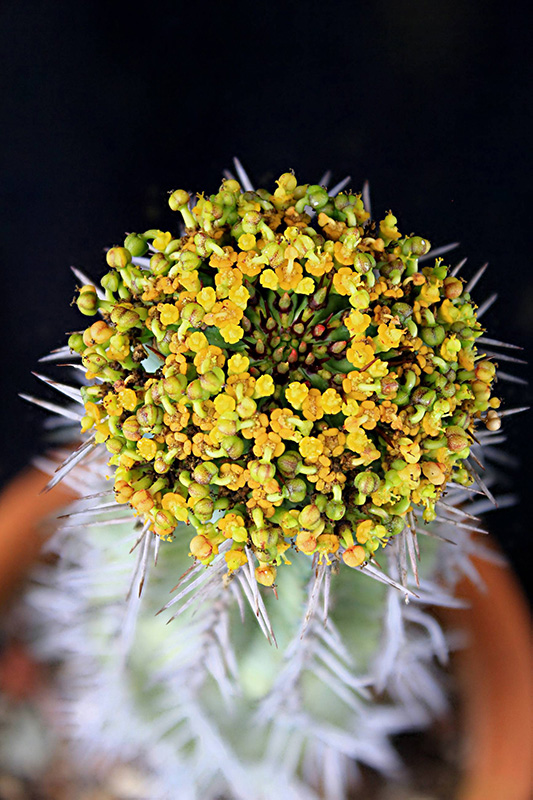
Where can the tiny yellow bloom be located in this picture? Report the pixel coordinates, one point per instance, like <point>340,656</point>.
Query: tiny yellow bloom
<point>269,279</point>
<point>296,393</point>
<point>147,448</point>
<point>128,399</point>
<point>162,240</point>
<point>247,241</point>
<point>207,298</point>
<point>331,401</point>
<point>306,286</point>
<point>232,333</point>
<point>238,364</point>
<point>223,402</point>
<point>264,386</point>
<point>169,314</point>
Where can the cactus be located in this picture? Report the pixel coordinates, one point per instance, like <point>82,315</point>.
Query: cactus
<point>289,395</point>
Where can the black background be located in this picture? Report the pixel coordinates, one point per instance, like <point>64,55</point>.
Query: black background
<point>106,108</point>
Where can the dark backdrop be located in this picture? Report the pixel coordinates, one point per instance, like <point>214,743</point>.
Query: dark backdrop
<point>106,108</point>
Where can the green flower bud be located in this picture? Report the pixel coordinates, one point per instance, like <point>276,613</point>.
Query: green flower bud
<point>76,343</point>
<point>149,415</point>
<point>205,472</point>
<point>261,471</point>
<point>335,510</point>
<point>233,446</point>
<point>87,301</point>
<point>433,336</point>
<point>178,199</point>
<point>295,490</point>
<point>124,318</point>
<point>288,463</point>
<point>136,245</point>
<point>118,257</point>
<point>367,482</point>
<point>310,517</point>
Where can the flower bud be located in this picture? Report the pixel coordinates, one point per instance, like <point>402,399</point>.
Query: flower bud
<point>306,542</point>
<point>265,575</point>
<point>354,556</point>
<point>485,371</point>
<point>149,415</point>
<point>205,472</point>
<point>131,429</point>
<point>335,510</point>
<point>433,336</point>
<point>204,508</point>
<point>288,463</point>
<point>261,471</point>
<point>456,438</point>
<point>309,517</point>
<point>200,547</point>
<point>178,199</point>
<point>295,490</point>
<point>453,288</point>
<point>118,257</point>
<point>135,244</point>
<point>142,501</point>
<point>124,318</point>
<point>87,301</point>
<point>233,446</point>
<point>367,482</point>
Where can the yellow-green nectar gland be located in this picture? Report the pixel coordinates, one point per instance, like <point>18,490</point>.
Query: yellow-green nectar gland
<point>309,381</point>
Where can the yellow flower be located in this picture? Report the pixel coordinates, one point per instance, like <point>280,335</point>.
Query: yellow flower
<point>206,298</point>
<point>450,347</point>
<point>128,399</point>
<point>346,281</point>
<point>264,386</point>
<point>240,296</point>
<point>388,336</point>
<point>306,286</point>
<point>356,322</point>
<point>331,401</point>
<point>247,241</point>
<point>296,393</point>
<point>162,240</point>
<point>169,314</point>
<point>176,504</point>
<point>232,333</point>
<point>363,531</point>
<point>319,265</point>
<point>197,341</point>
<point>289,274</point>
<point>410,450</point>
<point>223,402</point>
<point>310,447</point>
<point>237,364</point>
<point>226,280</point>
<point>269,279</point>
<point>147,448</point>
<point>312,405</point>
<point>343,254</point>
<point>360,354</point>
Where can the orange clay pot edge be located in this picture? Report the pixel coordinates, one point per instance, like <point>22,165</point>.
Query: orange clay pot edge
<point>23,528</point>
<point>495,683</point>
<point>494,674</point>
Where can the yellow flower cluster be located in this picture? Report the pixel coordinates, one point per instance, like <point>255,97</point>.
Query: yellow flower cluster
<point>281,382</point>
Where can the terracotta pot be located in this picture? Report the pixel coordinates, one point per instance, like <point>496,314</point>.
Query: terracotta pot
<point>26,518</point>
<point>494,673</point>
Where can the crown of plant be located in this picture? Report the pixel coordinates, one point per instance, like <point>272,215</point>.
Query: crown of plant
<point>283,375</point>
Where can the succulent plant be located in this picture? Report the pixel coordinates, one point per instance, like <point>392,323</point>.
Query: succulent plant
<point>288,393</point>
